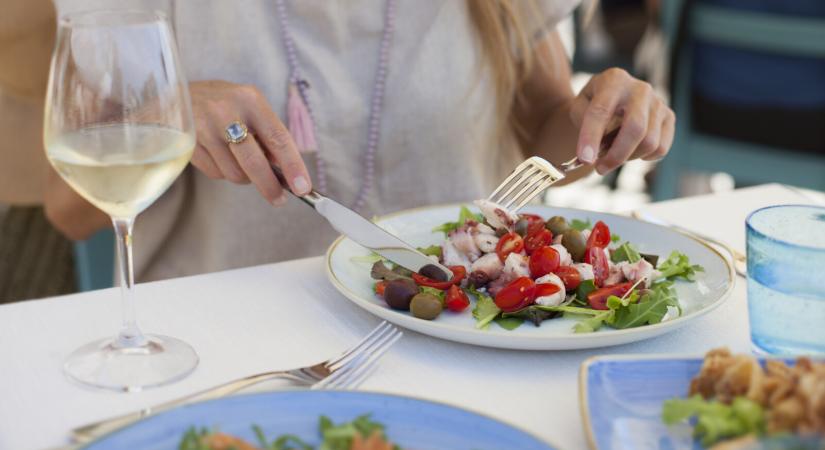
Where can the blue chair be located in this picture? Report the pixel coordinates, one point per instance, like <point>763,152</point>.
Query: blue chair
<point>748,163</point>
<point>94,261</point>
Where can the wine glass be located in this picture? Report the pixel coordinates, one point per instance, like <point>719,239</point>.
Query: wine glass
<point>118,129</point>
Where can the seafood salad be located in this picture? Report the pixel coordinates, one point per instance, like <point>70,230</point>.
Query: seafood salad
<point>514,268</point>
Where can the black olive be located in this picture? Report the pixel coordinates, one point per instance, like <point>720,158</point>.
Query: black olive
<point>432,272</point>
<point>478,279</point>
<point>399,293</point>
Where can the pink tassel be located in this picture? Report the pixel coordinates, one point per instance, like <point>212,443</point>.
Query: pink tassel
<point>301,126</point>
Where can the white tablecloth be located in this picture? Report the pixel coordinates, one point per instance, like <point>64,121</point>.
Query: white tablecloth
<point>286,315</point>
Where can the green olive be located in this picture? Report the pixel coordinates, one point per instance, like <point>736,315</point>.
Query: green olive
<point>557,225</point>
<point>425,306</point>
<point>574,242</point>
<point>521,227</point>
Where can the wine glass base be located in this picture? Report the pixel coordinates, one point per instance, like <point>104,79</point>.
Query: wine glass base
<point>103,364</point>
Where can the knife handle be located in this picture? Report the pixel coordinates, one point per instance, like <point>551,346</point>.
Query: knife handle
<point>311,199</point>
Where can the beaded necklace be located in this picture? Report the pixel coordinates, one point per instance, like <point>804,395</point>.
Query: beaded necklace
<point>301,122</point>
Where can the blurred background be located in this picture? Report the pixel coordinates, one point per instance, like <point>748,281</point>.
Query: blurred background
<point>746,79</point>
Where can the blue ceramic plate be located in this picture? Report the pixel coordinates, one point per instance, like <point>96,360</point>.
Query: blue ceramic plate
<point>622,396</point>
<point>411,423</point>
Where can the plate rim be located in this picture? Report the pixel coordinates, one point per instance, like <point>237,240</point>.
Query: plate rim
<point>573,337</point>
<point>393,395</point>
<point>584,369</point>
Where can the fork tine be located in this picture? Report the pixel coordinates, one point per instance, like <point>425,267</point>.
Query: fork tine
<point>527,176</point>
<point>544,185</point>
<point>360,374</point>
<point>528,192</point>
<point>364,346</point>
<point>365,356</point>
<point>527,185</point>
<point>380,328</point>
<point>515,173</point>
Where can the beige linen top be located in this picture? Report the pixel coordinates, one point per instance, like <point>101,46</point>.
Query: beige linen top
<point>437,140</point>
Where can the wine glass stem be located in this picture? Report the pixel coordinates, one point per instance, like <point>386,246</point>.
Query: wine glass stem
<point>130,335</point>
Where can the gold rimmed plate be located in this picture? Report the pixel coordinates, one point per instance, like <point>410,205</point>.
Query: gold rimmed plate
<point>352,279</point>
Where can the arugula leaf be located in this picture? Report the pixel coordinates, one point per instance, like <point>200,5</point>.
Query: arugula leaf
<point>650,309</point>
<point>581,225</point>
<point>716,421</point>
<point>677,265</point>
<point>615,238</point>
<point>532,314</point>
<point>592,324</point>
<point>433,250</point>
<point>463,216</point>
<point>626,252</point>
<point>585,287</point>
<point>509,323</point>
<point>438,293</point>
<point>485,309</point>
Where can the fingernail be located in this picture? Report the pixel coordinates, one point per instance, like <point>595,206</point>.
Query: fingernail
<point>588,154</point>
<point>279,200</point>
<point>301,185</point>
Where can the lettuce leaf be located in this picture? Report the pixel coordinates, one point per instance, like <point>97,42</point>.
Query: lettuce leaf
<point>677,265</point>
<point>485,309</point>
<point>626,252</point>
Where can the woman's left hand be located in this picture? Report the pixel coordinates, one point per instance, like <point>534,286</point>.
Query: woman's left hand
<point>614,99</point>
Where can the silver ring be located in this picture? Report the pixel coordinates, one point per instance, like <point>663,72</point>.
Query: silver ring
<point>236,132</point>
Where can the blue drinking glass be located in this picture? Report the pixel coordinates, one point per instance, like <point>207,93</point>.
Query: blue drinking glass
<point>786,279</point>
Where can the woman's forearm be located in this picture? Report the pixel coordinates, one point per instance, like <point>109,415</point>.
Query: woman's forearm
<point>70,213</point>
<point>27,29</point>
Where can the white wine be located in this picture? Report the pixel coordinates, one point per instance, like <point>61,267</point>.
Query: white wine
<point>120,168</point>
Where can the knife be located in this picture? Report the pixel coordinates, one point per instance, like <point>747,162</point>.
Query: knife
<point>364,232</point>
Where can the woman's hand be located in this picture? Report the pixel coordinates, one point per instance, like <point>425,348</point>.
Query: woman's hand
<point>216,104</point>
<point>614,99</point>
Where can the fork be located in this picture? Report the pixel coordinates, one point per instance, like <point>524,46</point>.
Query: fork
<point>346,371</point>
<point>528,180</point>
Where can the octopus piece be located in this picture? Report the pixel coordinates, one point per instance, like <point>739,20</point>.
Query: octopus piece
<point>516,265</point>
<point>464,242</point>
<point>496,215</point>
<point>490,264</point>
<point>452,256</point>
<point>564,256</point>
<point>641,269</point>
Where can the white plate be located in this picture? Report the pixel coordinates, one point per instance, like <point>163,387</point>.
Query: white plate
<point>414,226</point>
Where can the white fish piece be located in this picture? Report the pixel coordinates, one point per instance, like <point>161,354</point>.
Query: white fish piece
<point>496,215</point>
<point>465,243</point>
<point>453,257</point>
<point>516,265</point>
<point>553,299</point>
<point>616,275</point>
<point>489,264</point>
<point>486,242</point>
<point>564,256</point>
<point>585,271</point>
<point>638,270</point>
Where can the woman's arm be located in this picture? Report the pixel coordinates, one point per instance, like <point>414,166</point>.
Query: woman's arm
<point>559,125</point>
<point>70,213</point>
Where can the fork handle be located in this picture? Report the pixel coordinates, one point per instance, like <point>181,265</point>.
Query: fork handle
<point>91,431</point>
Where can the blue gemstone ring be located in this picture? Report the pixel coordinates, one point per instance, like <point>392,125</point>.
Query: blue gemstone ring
<point>236,132</point>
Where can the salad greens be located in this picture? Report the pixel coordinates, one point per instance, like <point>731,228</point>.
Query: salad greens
<point>626,252</point>
<point>581,225</point>
<point>333,437</point>
<point>463,216</point>
<point>433,250</point>
<point>486,311</point>
<point>677,265</point>
<point>715,420</point>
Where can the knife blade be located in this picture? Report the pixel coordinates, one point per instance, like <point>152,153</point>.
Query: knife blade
<point>365,232</point>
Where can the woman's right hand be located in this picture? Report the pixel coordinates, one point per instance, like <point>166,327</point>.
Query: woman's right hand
<point>215,105</point>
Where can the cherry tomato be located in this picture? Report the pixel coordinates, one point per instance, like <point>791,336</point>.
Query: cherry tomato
<point>516,295</point>
<point>509,243</point>
<point>598,298</point>
<point>545,289</point>
<point>379,287</point>
<point>534,222</point>
<point>458,274</point>
<point>541,238</point>
<point>570,276</point>
<point>599,236</point>
<point>596,258</point>
<point>543,261</point>
<point>456,300</point>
